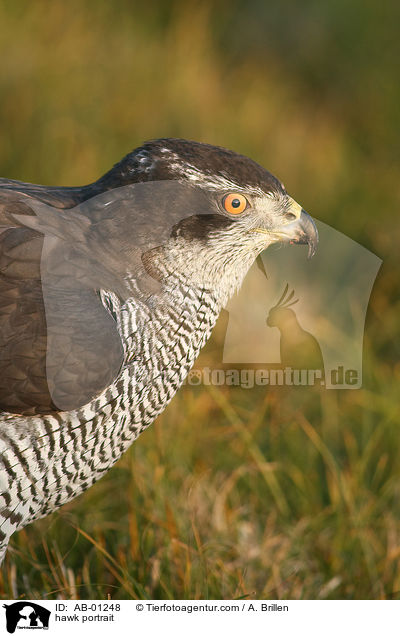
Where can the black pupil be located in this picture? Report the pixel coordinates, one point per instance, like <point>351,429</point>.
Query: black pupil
<point>235,203</point>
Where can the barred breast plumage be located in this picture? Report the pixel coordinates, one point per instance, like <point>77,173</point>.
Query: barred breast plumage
<point>107,294</point>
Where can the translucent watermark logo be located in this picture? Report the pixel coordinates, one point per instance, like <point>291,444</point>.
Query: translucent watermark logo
<point>303,315</point>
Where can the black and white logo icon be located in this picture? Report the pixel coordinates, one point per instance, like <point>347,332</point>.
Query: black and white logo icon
<point>26,615</point>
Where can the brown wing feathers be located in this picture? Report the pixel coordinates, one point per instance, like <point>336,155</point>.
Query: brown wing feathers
<point>59,346</point>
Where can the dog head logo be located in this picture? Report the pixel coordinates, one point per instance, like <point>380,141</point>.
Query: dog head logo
<point>26,615</point>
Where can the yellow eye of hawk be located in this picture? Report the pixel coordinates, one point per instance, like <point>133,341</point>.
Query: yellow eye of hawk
<point>234,203</point>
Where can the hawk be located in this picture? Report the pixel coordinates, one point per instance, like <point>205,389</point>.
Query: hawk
<point>108,292</point>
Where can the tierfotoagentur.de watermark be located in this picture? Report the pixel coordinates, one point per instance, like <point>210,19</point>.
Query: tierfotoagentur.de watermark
<point>249,378</point>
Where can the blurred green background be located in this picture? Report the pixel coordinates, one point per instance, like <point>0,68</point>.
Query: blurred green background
<point>248,494</point>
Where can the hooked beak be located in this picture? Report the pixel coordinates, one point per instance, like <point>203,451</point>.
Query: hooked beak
<point>302,230</point>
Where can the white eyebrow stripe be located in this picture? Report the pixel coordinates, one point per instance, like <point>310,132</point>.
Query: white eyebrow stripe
<point>208,181</point>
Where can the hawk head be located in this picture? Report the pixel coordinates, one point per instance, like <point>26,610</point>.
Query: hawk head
<point>234,208</point>
<point>240,208</point>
